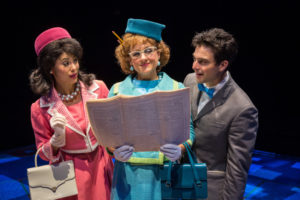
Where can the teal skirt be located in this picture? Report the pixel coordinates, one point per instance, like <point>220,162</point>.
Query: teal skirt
<point>140,182</point>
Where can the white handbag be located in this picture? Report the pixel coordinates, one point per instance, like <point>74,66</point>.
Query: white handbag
<point>49,182</point>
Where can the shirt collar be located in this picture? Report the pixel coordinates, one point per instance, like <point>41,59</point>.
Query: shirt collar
<point>219,85</point>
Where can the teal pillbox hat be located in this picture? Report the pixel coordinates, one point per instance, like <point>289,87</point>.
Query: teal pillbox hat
<point>144,27</point>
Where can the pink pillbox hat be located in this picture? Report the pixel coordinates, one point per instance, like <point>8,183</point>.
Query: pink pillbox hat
<point>48,36</point>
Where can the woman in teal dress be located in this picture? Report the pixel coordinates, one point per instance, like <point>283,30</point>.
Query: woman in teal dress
<point>142,54</point>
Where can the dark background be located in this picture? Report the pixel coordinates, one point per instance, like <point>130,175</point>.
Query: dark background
<point>267,66</point>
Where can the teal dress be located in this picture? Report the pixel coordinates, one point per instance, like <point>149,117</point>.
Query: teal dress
<point>138,178</point>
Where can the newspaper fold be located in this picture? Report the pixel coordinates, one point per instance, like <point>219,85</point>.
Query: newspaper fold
<point>146,122</point>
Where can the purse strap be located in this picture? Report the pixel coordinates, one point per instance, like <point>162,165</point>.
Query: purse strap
<point>192,160</point>
<point>36,155</point>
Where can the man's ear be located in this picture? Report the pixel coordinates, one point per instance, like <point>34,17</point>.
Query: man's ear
<point>223,65</point>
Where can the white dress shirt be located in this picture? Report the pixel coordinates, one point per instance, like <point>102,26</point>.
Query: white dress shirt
<point>205,98</point>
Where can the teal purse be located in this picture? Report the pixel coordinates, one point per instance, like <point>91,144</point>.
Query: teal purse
<point>184,181</point>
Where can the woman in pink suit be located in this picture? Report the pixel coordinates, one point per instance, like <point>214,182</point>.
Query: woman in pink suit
<point>59,118</point>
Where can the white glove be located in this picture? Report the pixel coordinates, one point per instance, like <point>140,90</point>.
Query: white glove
<point>58,123</point>
<point>171,151</point>
<point>123,153</point>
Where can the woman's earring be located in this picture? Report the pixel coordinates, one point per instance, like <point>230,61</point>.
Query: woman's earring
<point>158,63</point>
<point>131,68</point>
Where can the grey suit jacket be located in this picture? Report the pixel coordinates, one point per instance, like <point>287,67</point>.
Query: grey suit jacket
<point>225,134</point>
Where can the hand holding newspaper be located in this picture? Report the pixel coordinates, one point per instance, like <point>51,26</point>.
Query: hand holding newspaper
<point>145,122</point>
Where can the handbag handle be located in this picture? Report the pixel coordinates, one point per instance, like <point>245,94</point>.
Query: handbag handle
<point>191,159</point>
<point>35,157</point>
<point>37,153</point>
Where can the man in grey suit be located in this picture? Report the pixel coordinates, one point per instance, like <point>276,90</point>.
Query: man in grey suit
<point>225,119</point>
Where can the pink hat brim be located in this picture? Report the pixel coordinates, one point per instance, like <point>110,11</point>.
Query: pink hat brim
<point>48,36</point>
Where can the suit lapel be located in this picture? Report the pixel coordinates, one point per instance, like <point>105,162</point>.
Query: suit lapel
<point>196,94</point>
<point>217,99</point>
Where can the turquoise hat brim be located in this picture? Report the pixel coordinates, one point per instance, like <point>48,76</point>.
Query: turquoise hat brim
<point>146,28</point>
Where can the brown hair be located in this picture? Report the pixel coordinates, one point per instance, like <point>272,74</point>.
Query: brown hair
<point>40,79</point>
<point>130,40</point>
<point>221,42</point>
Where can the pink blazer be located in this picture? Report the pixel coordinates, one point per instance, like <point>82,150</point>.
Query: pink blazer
<point>77,140</point>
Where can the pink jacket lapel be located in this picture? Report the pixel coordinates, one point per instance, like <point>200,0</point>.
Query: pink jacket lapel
<point>86,95</point>
<point>54,102</point>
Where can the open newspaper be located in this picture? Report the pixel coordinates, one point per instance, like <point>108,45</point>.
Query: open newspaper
<point>146,122</point>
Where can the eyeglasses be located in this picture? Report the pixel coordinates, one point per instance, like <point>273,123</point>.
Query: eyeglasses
<point>147,52</point>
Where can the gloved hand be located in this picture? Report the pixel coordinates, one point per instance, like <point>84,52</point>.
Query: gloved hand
<point>171,151</point>
<point>58,123</point>
<point>123,153</point>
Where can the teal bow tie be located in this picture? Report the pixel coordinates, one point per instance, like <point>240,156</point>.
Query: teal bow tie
<point>208,91</point>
